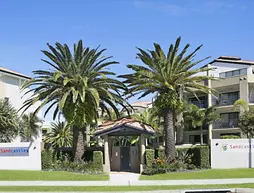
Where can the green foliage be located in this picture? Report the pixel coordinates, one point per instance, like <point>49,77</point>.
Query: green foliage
<point>9,123</point>
<point>200,155</point>
<point>30,126</point>
<point>150,117</point>
<point>51,160</point>
<point>240,103</point>
<point>78,84</point>
<point>98,161</point>
<point>182,161</point>
<point>194,117</point>
<point>230,137</point>
<point>60,135</point>
<point>246,123</point>
<point>167,75</point>
<point>47,159</point>
<point>149,155</point>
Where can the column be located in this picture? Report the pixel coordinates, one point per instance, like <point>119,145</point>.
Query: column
<point>106,155</point>
<point>209,102</point>
<point>142,152</point>
<point>244,92</point>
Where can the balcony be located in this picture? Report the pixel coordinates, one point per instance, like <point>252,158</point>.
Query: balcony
<point>199,105</point>
<point>224,125</point>
<point>224,102</point>
<point>251,99</point>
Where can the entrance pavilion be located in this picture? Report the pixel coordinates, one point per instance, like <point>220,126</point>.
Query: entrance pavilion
<point>124,144</point>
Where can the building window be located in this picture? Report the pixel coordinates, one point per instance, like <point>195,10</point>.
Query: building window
<point>233,73</point>
<point>228,98</point>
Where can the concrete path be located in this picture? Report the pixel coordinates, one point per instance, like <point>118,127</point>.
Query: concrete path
<point>127,181</point>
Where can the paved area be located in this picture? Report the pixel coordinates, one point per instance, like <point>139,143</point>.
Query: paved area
<point>127,181</point>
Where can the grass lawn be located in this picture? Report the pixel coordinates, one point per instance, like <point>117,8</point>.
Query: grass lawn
<point>14,175</point>
<point>203,174</point>
<point>116,188</point>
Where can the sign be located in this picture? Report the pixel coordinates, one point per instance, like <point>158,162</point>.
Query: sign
<point>237,147</point>
<point>14,151</point>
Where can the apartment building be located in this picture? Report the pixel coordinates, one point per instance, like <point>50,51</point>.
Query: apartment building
<point>236,81</point>
<point>10,90</point>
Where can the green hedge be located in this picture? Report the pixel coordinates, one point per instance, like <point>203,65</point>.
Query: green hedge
<point>149,157</point>
<point>201,156</point>
<point>230,137</point>
<point>98,160</point>
<point>47,159</point>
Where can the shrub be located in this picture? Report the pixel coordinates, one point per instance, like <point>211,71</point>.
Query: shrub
<point>149,156</point>
<point>230,137</point>
<point>46,159</point>
<point>163,164</point>
<point>204,158</point>
<point>98,161</point>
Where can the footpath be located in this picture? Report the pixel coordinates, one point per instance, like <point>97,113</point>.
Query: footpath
<point>130,179</point>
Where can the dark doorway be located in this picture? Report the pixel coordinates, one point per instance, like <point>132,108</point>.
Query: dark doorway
<point>125,158</point>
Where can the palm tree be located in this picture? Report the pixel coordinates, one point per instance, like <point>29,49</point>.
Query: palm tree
<point>149,117</point>
<point>31,125</point>
<point>194,117</point>
<point>77,86</point>
<point>60,135</point>
<point>9,123</point>
<point>169,76</point>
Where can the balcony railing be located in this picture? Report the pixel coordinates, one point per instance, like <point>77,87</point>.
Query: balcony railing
<point>223,102</point>
<point>223,125</point>
<point>199,105</point>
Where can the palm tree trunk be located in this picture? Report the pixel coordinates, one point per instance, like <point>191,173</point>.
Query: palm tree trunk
<point>179,119</point>
<point>179,128</point>
<point>170,149</point>
<point>88,135</point>
<point>201,136</point>
<point>78,145</point>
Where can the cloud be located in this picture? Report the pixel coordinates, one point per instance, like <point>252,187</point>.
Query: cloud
<point>194,6</point>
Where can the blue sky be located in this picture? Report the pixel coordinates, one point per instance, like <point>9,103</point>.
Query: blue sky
<point>224,27</point>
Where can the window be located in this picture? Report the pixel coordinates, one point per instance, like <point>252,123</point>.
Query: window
<point>233,73</point>
<point>229,120</point>
<point>228,98</point>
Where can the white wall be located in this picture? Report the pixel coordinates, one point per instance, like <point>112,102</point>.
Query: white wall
<point>31,162</point>
<point>225,67</point>
<point>232,153</point>
<point>11,88</point>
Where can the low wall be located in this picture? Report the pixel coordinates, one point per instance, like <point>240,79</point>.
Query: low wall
<point>20,156</point>
<point>232,153</point>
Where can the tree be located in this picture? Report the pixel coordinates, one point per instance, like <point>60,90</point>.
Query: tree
<point>60,135</point>
<point>31,125</point>
<point>9,123</point>
<point>194,117</point>
<point>149,117</point>
<point>168,76</point>
<point>246,123</point>
<point>77,86</point>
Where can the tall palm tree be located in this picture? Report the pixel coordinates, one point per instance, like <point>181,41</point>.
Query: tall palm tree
<point>77,86</point>
<point>31,125</point>
<point>9,123</point>
<point>194,117</point>
<point>60,135</point>
<point>169,76</point>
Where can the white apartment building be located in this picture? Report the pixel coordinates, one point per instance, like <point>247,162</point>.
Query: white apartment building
<point>236,81</point>
<point>10,89</point>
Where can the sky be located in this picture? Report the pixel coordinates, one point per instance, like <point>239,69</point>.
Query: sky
<point>224,27</point>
